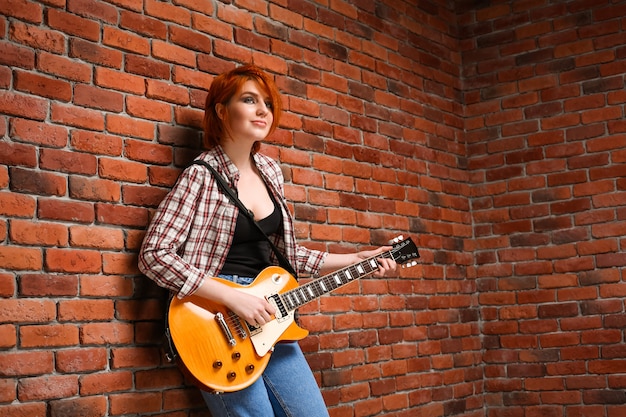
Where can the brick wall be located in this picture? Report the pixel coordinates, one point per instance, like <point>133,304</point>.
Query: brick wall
<point>490,134</point>
<point>544,95</point>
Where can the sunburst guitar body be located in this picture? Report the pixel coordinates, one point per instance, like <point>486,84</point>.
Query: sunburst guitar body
<point>220,352</point>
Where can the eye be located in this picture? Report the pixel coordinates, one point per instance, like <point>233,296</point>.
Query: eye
<point>249,100</point>
<point>269,105</point>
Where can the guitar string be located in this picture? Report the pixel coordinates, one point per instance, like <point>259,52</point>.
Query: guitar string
<point>231,319</point>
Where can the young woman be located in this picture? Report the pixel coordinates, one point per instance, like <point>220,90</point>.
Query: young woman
<point>198,234</point>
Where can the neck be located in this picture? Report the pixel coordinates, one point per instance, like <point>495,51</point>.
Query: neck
<point>239,154</point>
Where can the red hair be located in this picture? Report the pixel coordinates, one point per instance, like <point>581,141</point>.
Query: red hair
<point>222,90</point>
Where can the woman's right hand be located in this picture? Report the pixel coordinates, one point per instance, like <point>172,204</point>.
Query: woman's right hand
<point>253,309</point>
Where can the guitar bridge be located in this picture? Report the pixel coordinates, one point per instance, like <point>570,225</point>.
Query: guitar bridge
<point>219,317</point>
<point>240,329</point>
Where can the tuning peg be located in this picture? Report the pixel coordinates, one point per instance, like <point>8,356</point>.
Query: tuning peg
<point>396,239</point>
<point>409,264</point>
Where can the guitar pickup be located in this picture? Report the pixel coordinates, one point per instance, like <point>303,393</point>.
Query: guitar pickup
<point>281,311</point>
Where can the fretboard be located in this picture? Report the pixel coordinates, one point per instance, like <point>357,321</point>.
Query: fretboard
<point>305,293</point>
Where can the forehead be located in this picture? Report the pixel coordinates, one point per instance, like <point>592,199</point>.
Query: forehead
<point>253,86</point>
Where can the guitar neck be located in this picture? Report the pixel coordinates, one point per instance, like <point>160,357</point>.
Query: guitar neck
<point>305,293</point>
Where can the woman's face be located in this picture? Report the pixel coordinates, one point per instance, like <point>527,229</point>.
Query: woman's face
<point>248,114</point>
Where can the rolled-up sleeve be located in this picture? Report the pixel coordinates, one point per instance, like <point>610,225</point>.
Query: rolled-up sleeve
<point>166,255</point>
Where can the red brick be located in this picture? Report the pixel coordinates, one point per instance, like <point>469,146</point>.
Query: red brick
<point>8,337</point>
<point>148,109</point>
<point>26,363</point>
<point>95,406</point>
<point>115,169</point>
<point>43,336</point>
<point>48,285</point>
<point>129,127</point>
<point>37,38</point>
<point>48,387</point>
<point>38,133</point>
<point>94,189</point>
<point>22,10</point>
<point>106,382</point>
<point>103,12</point>
<point>20,258</point>
<point>73,24</point>
<point>121,215</point>
<point>52,209</point>
<point>81,360</point>
<point>166,92</point>
<point>96,143</point>
<point>146,67</point>
<point>23,106</point>
<point>105,286</point>
<point>158,378</point>
<point>133,403</point>
<point>86,310</point>
<point>126,41</point>
<point>106,333</point>
<point>44,234</point>
<point>143,196</point>
<point>70,162</point>
<point>37,182</point>
<point>97,98</point>
<point>77,117</point>
<point>94,53</point>
<point>63,67</point>
<point>145,25</point>
<point>167,12</point>
<point>135,357</point>
<point>73,261</point>
<point>37,409</point>
<point>610,260</point>
<point>162,176</point>
<point>17,154</point>
<point>173,53</point>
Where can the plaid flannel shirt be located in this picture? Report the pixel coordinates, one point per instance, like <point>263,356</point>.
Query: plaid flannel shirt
<point>192,230</point>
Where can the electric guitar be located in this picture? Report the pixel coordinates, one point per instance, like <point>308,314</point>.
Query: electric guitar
<point>221,352</point>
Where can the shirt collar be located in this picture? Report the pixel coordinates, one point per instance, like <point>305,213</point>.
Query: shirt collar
<point>226,167</point>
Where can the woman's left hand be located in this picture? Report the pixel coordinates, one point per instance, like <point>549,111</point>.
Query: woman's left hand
<point>385,265</point>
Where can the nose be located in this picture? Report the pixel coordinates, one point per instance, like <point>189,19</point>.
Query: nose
<point>262,108</point>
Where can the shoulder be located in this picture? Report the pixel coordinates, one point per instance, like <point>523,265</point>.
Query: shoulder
<point>265,160</point>
<point>268,166</point>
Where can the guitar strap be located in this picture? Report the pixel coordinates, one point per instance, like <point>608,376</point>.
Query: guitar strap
<point>233,197</point>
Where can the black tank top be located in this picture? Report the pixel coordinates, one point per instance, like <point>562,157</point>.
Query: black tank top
<point>250,251</point>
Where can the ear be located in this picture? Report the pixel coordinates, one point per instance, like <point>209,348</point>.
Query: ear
<point>219,110</point>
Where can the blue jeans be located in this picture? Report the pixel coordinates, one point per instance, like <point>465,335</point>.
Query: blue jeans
<point>287,387</point>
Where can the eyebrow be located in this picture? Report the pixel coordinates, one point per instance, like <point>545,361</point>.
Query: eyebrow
<point>244,92</point>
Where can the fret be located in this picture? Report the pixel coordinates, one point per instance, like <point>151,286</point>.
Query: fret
<point>305,293</point>
<point>301,295</point>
